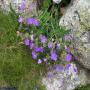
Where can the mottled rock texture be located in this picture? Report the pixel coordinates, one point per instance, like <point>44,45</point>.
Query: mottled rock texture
<point>67,78</point>
<point>5,5</point>
<point>77,19</point>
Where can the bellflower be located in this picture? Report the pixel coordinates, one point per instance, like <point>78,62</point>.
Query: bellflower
<point>54,67</point>
<point>43,39</point>
<point>58,46</point>
<point>31,45</point>
<point>38,49</point>
<point>60,68</point>
<point>67,37</point>
<point>21,19</point>
<point>50,45</point>
<point>49,75</point>
<point>31,7</point>
<point>68,57</point>
<point>68,66</point>
<point>67,49</point>
<point>22,5</point>
<point>44,59</point>
<point>53,55</point>
<point>39,61</point>
<point>72,67</point>
<point>32,21</point>
<point>26,41</point>
<point>34,55</point>
<point>75,69</point>
<point>36,22</point>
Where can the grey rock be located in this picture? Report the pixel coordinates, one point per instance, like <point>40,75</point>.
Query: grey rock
<point>5,5</point>
<point>57,1</point>
<point>67,79</point>
<point>77,19</point>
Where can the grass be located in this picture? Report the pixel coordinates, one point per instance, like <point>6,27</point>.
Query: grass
<point>17,69</point>
<point>85,87</point>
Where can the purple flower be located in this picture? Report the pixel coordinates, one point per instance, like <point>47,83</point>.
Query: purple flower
<point>31,7</point>
<point>75,69</point>
<point>54,67</point>
<point>53,55</point>
<point>72,67</point>
<point>68,66</point>
<point>39,61</point>
<point>36,23</point>
<point>32,21</point>
<point>41,49</point>
<point>58,46</point>
<point>43,39</point>
<point>67,49</point>
<point>26,41</point>
<point>21,19</point>
<point>31,45</point>
<point>22,5</point>
<point>49,75</point>
<point>44,59</point>
<point>68,57</point>
<point>38,49</point>
<point>60,68</point>
<point>50,45</point>
<point>34,55</point>
<point>67,37</point>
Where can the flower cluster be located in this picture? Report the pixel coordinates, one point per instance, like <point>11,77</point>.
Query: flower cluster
<point>46,50</point>
<point>46,43</point>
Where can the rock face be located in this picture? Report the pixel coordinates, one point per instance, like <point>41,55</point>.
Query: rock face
<point>66,78</point>
<point>5,4</point>
<point>30,4</point>
<point>77,19</point>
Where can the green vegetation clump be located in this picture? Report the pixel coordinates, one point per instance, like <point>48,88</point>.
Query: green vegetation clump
<point>86,87</point>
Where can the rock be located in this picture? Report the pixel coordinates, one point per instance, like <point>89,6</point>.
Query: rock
<point>5,4</point>
<point>57,1</point>
<point>66,79</point>
<point>30,5</point>
<point>77,19</point>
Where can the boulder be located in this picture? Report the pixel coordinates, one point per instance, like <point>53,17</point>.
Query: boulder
<point>77,19</point>
<point>30,5</point>
<point>66,78</point>
<point>5,4</point>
